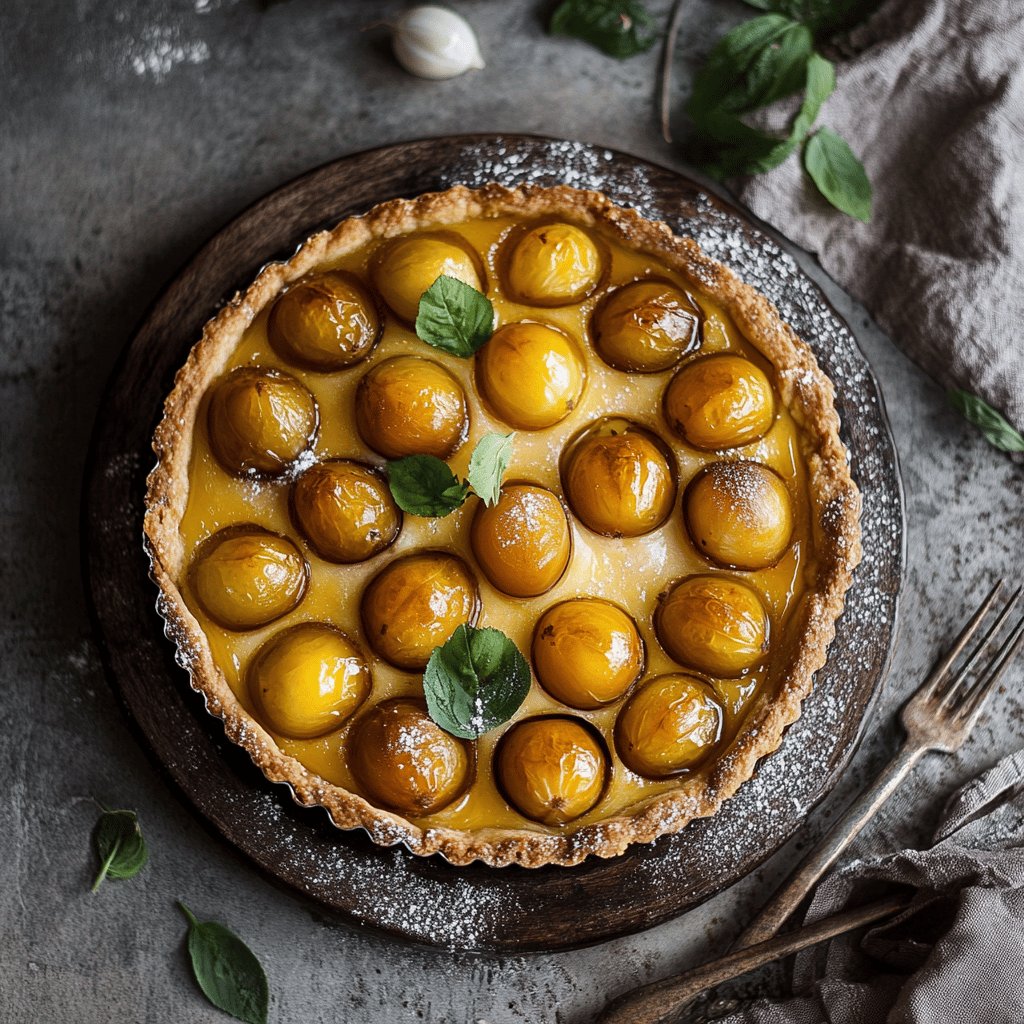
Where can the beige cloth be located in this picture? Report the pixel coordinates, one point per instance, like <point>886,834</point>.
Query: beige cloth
<point>932,100</point>
<point>956,955</point>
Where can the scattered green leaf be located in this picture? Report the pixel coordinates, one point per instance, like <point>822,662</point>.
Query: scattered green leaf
<point>454,317</point>
<point>424,485</point>
<point>620,28</point>
<point>487,465</point>
<point>821,83</point>
<point>998,432</point>
<point>759,60</point>
<point>837,172</point>
<point>227,970</point>
<point>475,681</point>
<point>119,846</point>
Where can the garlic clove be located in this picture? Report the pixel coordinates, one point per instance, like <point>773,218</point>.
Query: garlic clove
<point>433,42</point>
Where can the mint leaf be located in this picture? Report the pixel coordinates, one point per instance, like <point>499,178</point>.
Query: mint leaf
<point>423,485</point>
<point>758,61</point>
<point>487,465</point>
<point>620,28</point>
<point>119,845</point>
<point>454,317</point>
<point>227,970</point>
<point>476,680</point>
<point>821,83</point>
<point>998,432</point>
<point>725,147</point>
<point>837,172</point>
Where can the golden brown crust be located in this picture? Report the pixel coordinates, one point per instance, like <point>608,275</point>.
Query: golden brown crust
<point>803,387</point>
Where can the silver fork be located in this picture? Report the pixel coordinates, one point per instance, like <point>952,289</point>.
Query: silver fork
<point>939,716</point>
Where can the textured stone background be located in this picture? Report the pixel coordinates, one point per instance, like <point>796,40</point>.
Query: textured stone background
<point>129,132</point>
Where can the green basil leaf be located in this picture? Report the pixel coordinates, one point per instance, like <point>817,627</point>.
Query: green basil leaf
<point>998,432</point>
<point>227,970</point>
<point>723,146</point>
<point>423,485</point>
<point>454,317</point>
<point>760,60</point>
<point>487,465</point>
<point>119,845</point>
<point>620,28</point>
<point>475,681</point>
<point>837,172</point>
<point>821,83</point>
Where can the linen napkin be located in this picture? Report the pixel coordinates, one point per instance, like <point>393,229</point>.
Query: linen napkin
<point>956,954</point>
<point>932,100</point>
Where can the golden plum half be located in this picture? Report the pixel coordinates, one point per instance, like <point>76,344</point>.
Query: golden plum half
<point>553,265</point>
<point>587,652</point>
<point>530,374</point>
<point>668,726</point>
<point>720,401</point>
<point>415,603</point>
<point>404,761</point>
<point>739,514</point>
<point>307,680</point>
<point>260,420</point>
<point>523,542</point>
<point>411,406</point>
<point>618,479</point>
<point>646,326</point>
<point>345,510</point>
<point>409,266</point>
<point>551,769</point>
<point>245,576</point>
<point>325,322</point>
<point>714,624</point>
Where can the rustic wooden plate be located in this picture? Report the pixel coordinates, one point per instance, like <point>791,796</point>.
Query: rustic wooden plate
<point>429,900</point>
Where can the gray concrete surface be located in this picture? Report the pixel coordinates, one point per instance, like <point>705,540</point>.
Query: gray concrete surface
<point>128,133</point>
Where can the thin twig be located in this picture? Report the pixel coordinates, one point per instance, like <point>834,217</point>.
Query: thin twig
<point>667,56</point>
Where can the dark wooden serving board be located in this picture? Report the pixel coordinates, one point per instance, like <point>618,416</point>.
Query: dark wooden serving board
<point>429,900</point>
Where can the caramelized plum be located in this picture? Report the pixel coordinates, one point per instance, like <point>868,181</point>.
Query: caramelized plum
<point>245,576</point>
<point>739,514</point>
<point>668,726</point>
<point>411,406</point>
<point>530,374</point>
<point>587,652</point>
<point>522,542</point>
<point>404,761</point>
<point>260,420</point>
<point>307,680</point>
<point>415,603</point>
<point>325,322</point>
<point>345,510</point>
<point>552,769</point>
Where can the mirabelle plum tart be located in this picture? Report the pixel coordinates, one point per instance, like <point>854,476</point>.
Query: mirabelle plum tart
<point>670,548</point>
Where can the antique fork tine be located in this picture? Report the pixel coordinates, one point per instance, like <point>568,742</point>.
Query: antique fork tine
<point>939,716</point>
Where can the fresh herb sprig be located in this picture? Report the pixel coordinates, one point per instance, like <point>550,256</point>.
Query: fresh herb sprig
<point>475,681</point>
<point>119,845</point>
<point>764,60</point>
<point>227,970</point>
<point>424,485</point>
<point>998,432</point>
<point>619,28</point>
<point>454,317</point>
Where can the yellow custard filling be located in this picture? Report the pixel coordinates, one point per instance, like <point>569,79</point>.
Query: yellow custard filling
<point>671,410</point>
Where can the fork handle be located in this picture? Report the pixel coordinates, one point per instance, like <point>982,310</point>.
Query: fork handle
<point>774,913</point>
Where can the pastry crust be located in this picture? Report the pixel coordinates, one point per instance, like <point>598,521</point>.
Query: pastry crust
<point>834,500</point>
